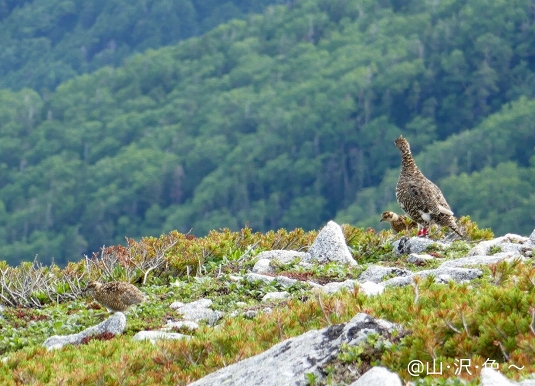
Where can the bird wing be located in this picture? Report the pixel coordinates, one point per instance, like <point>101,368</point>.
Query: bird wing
<point>426,197</point>
<point>439,197</point>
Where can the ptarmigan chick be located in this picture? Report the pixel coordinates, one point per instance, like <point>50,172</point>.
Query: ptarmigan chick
<point>115,295</point>
<point>421,199</point>
<point>398,222</point>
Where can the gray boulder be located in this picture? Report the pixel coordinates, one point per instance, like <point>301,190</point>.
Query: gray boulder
<point>442,275</point>
<point>509,243</point>
<point>197,311</point>
<point>370,288</point>
<point>481,260</point>
<point>491,377</point>
<point>263,265</point>
<point>405,245</point>
<point>270,296</point>
<point>282,280</point>
<point>330,245</point>
<point>334,286</point>
<point>378,376</point>
<point>189,324</point>
<point>377,273</point>
<point>419,259</point>
<point>115,325</point>
<point>289,361</point>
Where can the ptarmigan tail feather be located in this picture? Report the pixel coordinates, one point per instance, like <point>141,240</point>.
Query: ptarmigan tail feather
<point>454,227</point>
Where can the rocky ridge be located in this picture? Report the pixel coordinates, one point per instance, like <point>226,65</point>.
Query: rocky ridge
<point>295,360</point>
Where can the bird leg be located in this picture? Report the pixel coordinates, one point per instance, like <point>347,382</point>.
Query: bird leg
<point>422,232</point>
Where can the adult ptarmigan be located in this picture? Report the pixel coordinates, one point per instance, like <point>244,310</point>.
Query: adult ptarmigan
<point>398,222</point>
<point>421,199</point>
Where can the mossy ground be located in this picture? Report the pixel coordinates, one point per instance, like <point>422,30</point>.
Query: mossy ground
<point>492,318</point>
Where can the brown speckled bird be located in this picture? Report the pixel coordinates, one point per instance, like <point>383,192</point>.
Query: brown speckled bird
<point>116,295</point>
<point>421,199</point>
<point>398,222</point>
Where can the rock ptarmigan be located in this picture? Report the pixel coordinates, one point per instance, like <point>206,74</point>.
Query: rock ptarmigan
<point>116,295</point>
<point>421,199</point>
<point>398,222</point>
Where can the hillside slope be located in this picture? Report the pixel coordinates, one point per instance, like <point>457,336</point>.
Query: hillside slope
<point>280,120</point>
<point>470,299</point>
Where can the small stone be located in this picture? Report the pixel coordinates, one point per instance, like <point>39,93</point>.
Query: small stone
<point>405,245</point>
<point>199,311</point>
<point>419,259</point>
<point>153,336</point>
<point>282,280</point>
<point>378,376</point>
<point>189,324</point>
<point>282,255</point>
<point>263,266</point>
<point>377,273</point>
<point>250,314</point>
<point>532,237</point>
<point>176,305</point>
<point>370,288</point>
<point>275,296</point>
<point>333,287</point>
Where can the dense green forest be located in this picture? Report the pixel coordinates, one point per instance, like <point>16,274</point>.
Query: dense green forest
<point>282,119</point>
<point>45,42</point>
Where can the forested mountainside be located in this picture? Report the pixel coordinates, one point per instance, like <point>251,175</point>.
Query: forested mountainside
<point>46,42</point>
<point>284,119</point>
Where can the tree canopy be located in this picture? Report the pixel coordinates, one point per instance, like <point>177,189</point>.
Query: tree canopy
<point>283,119</point>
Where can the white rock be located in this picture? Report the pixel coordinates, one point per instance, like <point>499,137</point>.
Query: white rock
<point>282,280</point>
<point>398,281</point>
<point>250,314</point>
<point>314,285</point>
<point>330,245</point>
<point>370,288</point>
<point>284,256</point>
<point>333,287</point>
<point>115,325</point>
<point>491,377</point>
<point>508,243</point>
<point>275,296</point>
<point>418,259</point>
<point>199,311</point>
<point>176,305</point>
<point>407,245</point>
<point>377,273</point>
<point>263,266</point>
<point>482,260</point>
<point>181,324</point>
<point>287,362</point>
<point>443,275</point>
<point>378,376</point>
<point>153,336</point>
